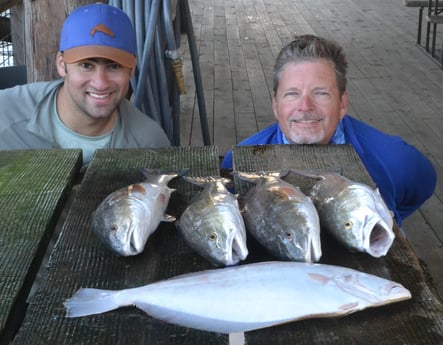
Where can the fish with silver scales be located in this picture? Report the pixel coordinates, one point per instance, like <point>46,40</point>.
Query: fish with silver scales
<point>354,213</point>
<point>280,217</point>
<point>212,223</point>
<point>126,218</point>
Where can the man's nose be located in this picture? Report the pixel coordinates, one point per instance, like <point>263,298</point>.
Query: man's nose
<point>306,103</point>
<point>100,78</point>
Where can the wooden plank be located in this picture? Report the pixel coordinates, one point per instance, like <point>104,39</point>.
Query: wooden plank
<point>420,231</point>
<point>400,264</point>
<point>34,184</point>
<point>435,19</point>
<point>415,3</point>
<point>45,16</point>
<point>80,260</point>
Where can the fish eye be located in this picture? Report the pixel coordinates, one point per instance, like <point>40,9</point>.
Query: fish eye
<point>289,235</point>
<point>213,236</point>
<point>348,225</point>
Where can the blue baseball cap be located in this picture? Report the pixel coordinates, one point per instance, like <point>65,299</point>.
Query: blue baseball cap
<point>98,31</point>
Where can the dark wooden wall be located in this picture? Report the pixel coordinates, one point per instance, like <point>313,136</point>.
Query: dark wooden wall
<point>36,29</point>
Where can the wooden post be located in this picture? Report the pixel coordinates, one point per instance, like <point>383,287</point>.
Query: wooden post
<point>42,25</point>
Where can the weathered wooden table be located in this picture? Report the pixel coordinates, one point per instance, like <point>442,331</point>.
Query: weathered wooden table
<point>79,260</point>
<point>34,186</point>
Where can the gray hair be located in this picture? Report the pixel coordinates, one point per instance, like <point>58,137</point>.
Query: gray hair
<point>310,48</point>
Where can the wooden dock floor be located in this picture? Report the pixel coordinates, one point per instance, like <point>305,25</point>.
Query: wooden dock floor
<point>393,84</point>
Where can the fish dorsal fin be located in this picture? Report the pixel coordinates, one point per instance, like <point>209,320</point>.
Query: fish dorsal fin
<point>168,218</point>
<point>256,176</point>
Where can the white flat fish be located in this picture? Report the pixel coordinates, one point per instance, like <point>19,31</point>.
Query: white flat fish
<point>126,218</point>
<point>247,297</point>
<point>213,225</point>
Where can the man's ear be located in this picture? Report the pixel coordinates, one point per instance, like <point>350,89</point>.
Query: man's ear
<point>133,70</point>
<point>344,102</point>
<point>61,64</point>
<point>274,105</point>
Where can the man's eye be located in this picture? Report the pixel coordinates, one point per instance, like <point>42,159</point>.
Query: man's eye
<point>321,93</point>
<point>115,66</point>
<point>291,94</point>
<point>85,65</point>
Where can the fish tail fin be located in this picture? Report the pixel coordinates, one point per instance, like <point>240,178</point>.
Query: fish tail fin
<point>92,301</point>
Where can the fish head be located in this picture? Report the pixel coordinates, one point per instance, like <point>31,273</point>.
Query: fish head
<point>213,225</point>
<point>283,220</point>
<point>363,222</point>
<point>223,246</point>
<point>367,288</point>
<point>119,223</point>
<point>298,245</point>
<point>220,240</point>
<point>298,235</point>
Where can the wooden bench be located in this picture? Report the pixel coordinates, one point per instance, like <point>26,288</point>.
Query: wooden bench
<point>409,3</point>
<point>421,5</point>
<point>433,18</point>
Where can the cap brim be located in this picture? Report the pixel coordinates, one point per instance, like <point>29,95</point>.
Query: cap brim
<point>120,56</point>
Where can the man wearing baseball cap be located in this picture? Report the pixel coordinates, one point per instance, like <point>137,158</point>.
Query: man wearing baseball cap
<point>87,108</point>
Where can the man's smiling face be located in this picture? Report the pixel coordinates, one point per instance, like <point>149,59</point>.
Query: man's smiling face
<point>307,103</point>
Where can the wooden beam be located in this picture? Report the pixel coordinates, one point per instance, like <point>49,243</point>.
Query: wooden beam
<point>7,4</point>
<point>43,22</point>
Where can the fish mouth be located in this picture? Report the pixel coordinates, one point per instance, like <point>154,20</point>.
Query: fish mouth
<point>379,240</point>
<point>309,251</point>
<point>315,253</point>
<point>238,252</point>
<point>135,244</point>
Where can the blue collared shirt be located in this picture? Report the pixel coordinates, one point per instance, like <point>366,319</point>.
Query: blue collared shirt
<point>404,176</point>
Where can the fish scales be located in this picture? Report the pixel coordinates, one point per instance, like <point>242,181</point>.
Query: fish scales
<point>281,217</point>
<point>247,297</point>
<point>354,213</point>
<point>126,218</point>
<point>212,224</point>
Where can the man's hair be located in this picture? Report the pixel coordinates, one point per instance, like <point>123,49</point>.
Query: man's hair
<point>310,48</point>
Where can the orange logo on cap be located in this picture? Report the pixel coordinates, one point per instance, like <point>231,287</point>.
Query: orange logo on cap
<point>101,28</point>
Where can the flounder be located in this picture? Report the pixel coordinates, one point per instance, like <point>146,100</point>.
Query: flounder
<point>247,297</point>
